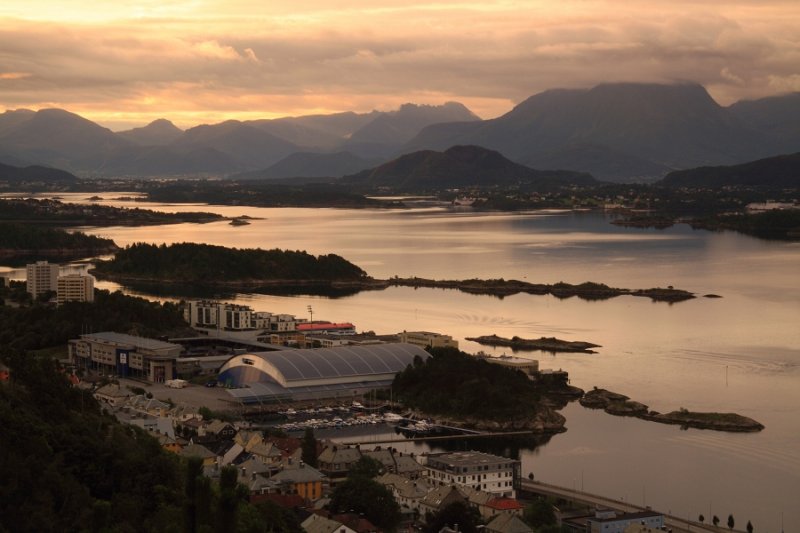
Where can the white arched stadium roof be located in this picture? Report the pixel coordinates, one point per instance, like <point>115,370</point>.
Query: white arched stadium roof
<point>288,366</point>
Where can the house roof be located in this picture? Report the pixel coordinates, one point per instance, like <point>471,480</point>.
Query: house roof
<point>319,524</point>
<point>338,454</point>
<point>299,474</point>
<point>508,523</point>
<point>504,504</point>
<point>197,450</point>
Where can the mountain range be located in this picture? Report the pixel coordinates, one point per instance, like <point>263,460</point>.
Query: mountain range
<point>617,132</point>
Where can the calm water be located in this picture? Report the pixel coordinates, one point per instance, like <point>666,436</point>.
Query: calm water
<point>738,353</point>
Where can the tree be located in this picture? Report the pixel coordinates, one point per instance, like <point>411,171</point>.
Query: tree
<point>539,513</point>
<point>457,513</point>
<point>731,522</point>
<point>362,494</point>
<point>309,448</point>
<point>365,467</point>
<point>749,527</point>
<point>715,520</point>
<point>701,518</point>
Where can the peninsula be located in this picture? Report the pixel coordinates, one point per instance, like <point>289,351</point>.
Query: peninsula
<point>544,344</point>
<point>57,213</point>
<point>621,405</point>
<point>257,269</point>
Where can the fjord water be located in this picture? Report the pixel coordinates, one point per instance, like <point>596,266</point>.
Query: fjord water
<point>738,353</point>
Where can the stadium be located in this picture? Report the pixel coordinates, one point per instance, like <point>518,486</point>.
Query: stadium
<point>343,372</point>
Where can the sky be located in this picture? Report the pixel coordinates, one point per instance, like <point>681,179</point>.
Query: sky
<point>124,63</point>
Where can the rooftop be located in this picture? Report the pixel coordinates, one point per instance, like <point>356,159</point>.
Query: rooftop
<point>130,340</point>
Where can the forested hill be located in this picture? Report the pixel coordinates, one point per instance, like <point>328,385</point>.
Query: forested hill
<point>777,172</point>
<point>34,173</point>
<point>189,262</point>
<point>461,166</point>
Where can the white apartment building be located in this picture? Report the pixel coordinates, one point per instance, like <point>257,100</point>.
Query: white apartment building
<point>75,288</point>
<point>230,317</point>
<point>41,277</point>
<point>481,471</point>
<point>425,339</point>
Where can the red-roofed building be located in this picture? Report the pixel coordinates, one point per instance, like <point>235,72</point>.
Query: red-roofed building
<point>505,504</point>
<point>326,327</point>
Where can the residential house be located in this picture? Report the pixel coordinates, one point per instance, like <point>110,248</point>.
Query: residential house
<point>408,493</point>
<point>507,523</point>
<point>301,479</point>
<point>112,394</point>
<point>196,450</point>
<point>336,461</point>
<point>316,523</point>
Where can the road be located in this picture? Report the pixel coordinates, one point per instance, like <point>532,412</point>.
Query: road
<point>675,523</point>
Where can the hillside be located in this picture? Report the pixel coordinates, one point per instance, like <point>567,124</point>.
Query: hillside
<point>460,166</point>
<point>34,173</point>
<point>778,116</point>
<point>773,172</point>
<point>312,165</point>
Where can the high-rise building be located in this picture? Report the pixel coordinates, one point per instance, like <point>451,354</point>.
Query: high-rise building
<point>75,288</point>
<point>41,277</point>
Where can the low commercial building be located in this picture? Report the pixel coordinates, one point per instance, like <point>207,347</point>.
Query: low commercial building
<point>75,288</point>
<point>610,521</point>
<point>428,339</point>
<point>125,355</point>
<point>482,471</point>
<point>529,366</point>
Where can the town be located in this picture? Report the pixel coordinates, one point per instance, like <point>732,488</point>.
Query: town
<point>248,389</point>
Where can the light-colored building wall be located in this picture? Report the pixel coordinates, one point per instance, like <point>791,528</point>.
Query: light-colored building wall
<point>126,355</point>
<point>75,288</point>
<point>427,339</point>
<point>481,471</point>
<point>41,277</point>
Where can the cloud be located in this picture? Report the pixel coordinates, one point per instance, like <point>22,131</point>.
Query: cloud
<point>210,60</point>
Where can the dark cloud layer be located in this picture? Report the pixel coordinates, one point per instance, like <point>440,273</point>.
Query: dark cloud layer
<point>206,61</point>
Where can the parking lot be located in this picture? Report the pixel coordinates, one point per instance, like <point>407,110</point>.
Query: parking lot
<point>215,398</point>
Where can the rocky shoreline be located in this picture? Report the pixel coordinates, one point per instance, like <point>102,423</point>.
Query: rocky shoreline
<point>545,344</point>
<point>621,405</point>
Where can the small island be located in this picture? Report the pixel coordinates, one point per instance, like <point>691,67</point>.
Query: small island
<point>585,291</point>
<point>620,405</point>
<point>544,344</point>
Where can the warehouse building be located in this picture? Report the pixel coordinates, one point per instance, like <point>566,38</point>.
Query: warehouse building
<point>343,372</point>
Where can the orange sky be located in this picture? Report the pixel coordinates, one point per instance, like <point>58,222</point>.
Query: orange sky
<point>125,63</point>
